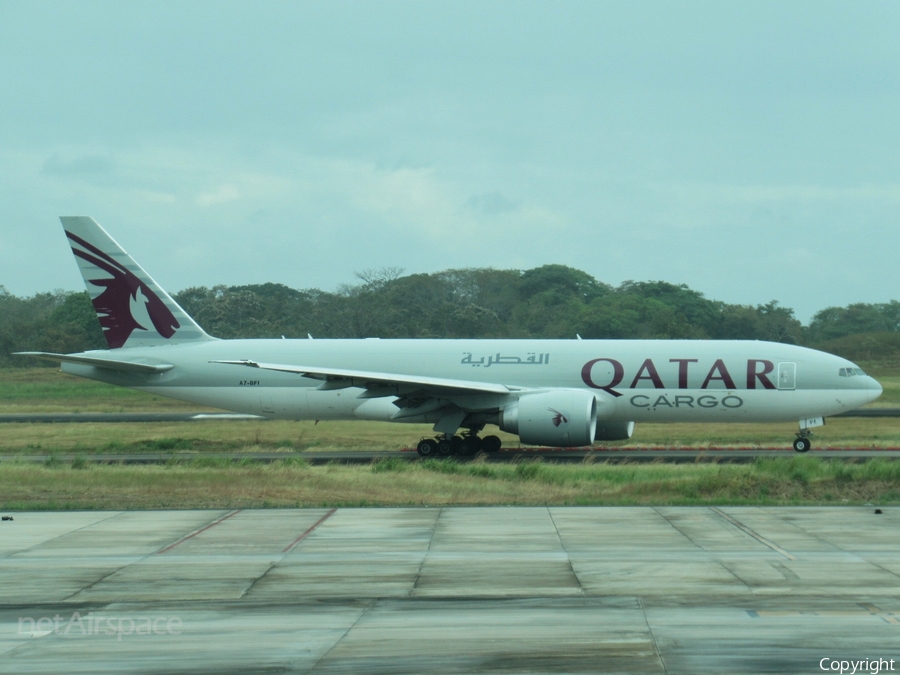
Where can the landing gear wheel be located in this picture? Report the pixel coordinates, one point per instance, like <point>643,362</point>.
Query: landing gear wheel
<point>468,445</point>
<point>427,447</point>
<point>445,447</point>
<point>802,444</point>
<point>491,443</point>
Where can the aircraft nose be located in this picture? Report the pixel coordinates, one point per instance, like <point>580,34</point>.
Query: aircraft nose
<point>875,389</point>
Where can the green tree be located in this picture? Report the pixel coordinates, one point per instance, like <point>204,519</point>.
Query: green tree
<point>689,306</point>
<point>631,315</point>
<point>561,282</point>
<point>835,322</point>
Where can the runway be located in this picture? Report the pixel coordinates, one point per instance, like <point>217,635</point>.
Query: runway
<point>453,590</point>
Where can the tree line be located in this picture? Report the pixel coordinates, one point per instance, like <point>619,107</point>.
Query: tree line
<point>553,301</point>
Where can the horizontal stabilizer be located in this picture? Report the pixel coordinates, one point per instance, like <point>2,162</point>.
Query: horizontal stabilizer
<point>109,364</point>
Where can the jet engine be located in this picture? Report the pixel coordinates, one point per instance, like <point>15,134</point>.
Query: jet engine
<point>613,431</point>
<point>560,418</point>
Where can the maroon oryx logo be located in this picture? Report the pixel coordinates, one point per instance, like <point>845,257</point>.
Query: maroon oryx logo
<point>558,418</point>
<point>113,305</point>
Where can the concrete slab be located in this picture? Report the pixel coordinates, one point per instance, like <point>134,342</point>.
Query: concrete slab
<point>29,530</point>
<point>574,635</point>
<point>464,590</point>
<point>467,557</point>
<point>135,533</point>
<point>181,639</point>
<point>252,532</point>
<point>333,577</point>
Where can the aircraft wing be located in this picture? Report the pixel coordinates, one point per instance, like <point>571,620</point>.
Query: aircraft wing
<point>381,384</point>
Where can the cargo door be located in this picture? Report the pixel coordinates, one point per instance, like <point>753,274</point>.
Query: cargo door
<point>787,375</point>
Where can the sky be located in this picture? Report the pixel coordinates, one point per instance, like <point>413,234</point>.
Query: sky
<point>750,150</point>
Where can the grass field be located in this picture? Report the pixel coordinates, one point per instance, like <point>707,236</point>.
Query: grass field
<point>216,484</point>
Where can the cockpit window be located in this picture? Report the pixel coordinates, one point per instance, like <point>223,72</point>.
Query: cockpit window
<point>851,372</point>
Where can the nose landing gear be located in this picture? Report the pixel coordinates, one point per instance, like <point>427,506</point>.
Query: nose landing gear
<point>802,442</point>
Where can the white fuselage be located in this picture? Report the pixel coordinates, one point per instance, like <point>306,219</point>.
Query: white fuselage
<point>632,380</point>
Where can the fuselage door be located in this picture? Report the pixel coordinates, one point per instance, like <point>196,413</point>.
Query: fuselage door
<point>787,375</point>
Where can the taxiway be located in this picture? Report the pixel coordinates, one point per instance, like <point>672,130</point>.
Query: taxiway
<point>451,590</point>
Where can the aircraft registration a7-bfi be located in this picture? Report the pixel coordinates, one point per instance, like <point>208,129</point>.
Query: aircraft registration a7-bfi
<point>560,393</point>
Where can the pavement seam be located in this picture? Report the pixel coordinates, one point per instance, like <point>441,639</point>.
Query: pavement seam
<point>839,548</point>
<point>368,606</point>
<point>753,533</point>
<point>785,571</point>
<point>285,552</point>
<point>103,578</point>
<point>875,564</point>
<point>260,578</point>
<point>712,555</point>
<point>290,547</point>
<point>198,531</point>
<point>565,550</point>
<point>133,562</point>
<point>797,527</point>
<point>676,528</point>
<point>65,534</point>
<point>427,551</point>
<point>652,636</point>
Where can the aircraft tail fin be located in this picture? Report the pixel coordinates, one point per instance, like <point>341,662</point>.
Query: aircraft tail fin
<point>134,311</point>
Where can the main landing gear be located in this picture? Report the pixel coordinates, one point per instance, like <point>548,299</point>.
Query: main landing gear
<point>464,446</point>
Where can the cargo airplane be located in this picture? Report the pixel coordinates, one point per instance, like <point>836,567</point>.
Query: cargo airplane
<point>560,393</point>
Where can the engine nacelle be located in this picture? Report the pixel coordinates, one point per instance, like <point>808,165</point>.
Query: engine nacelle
<point>560,418</point>
<point>613,431</point>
